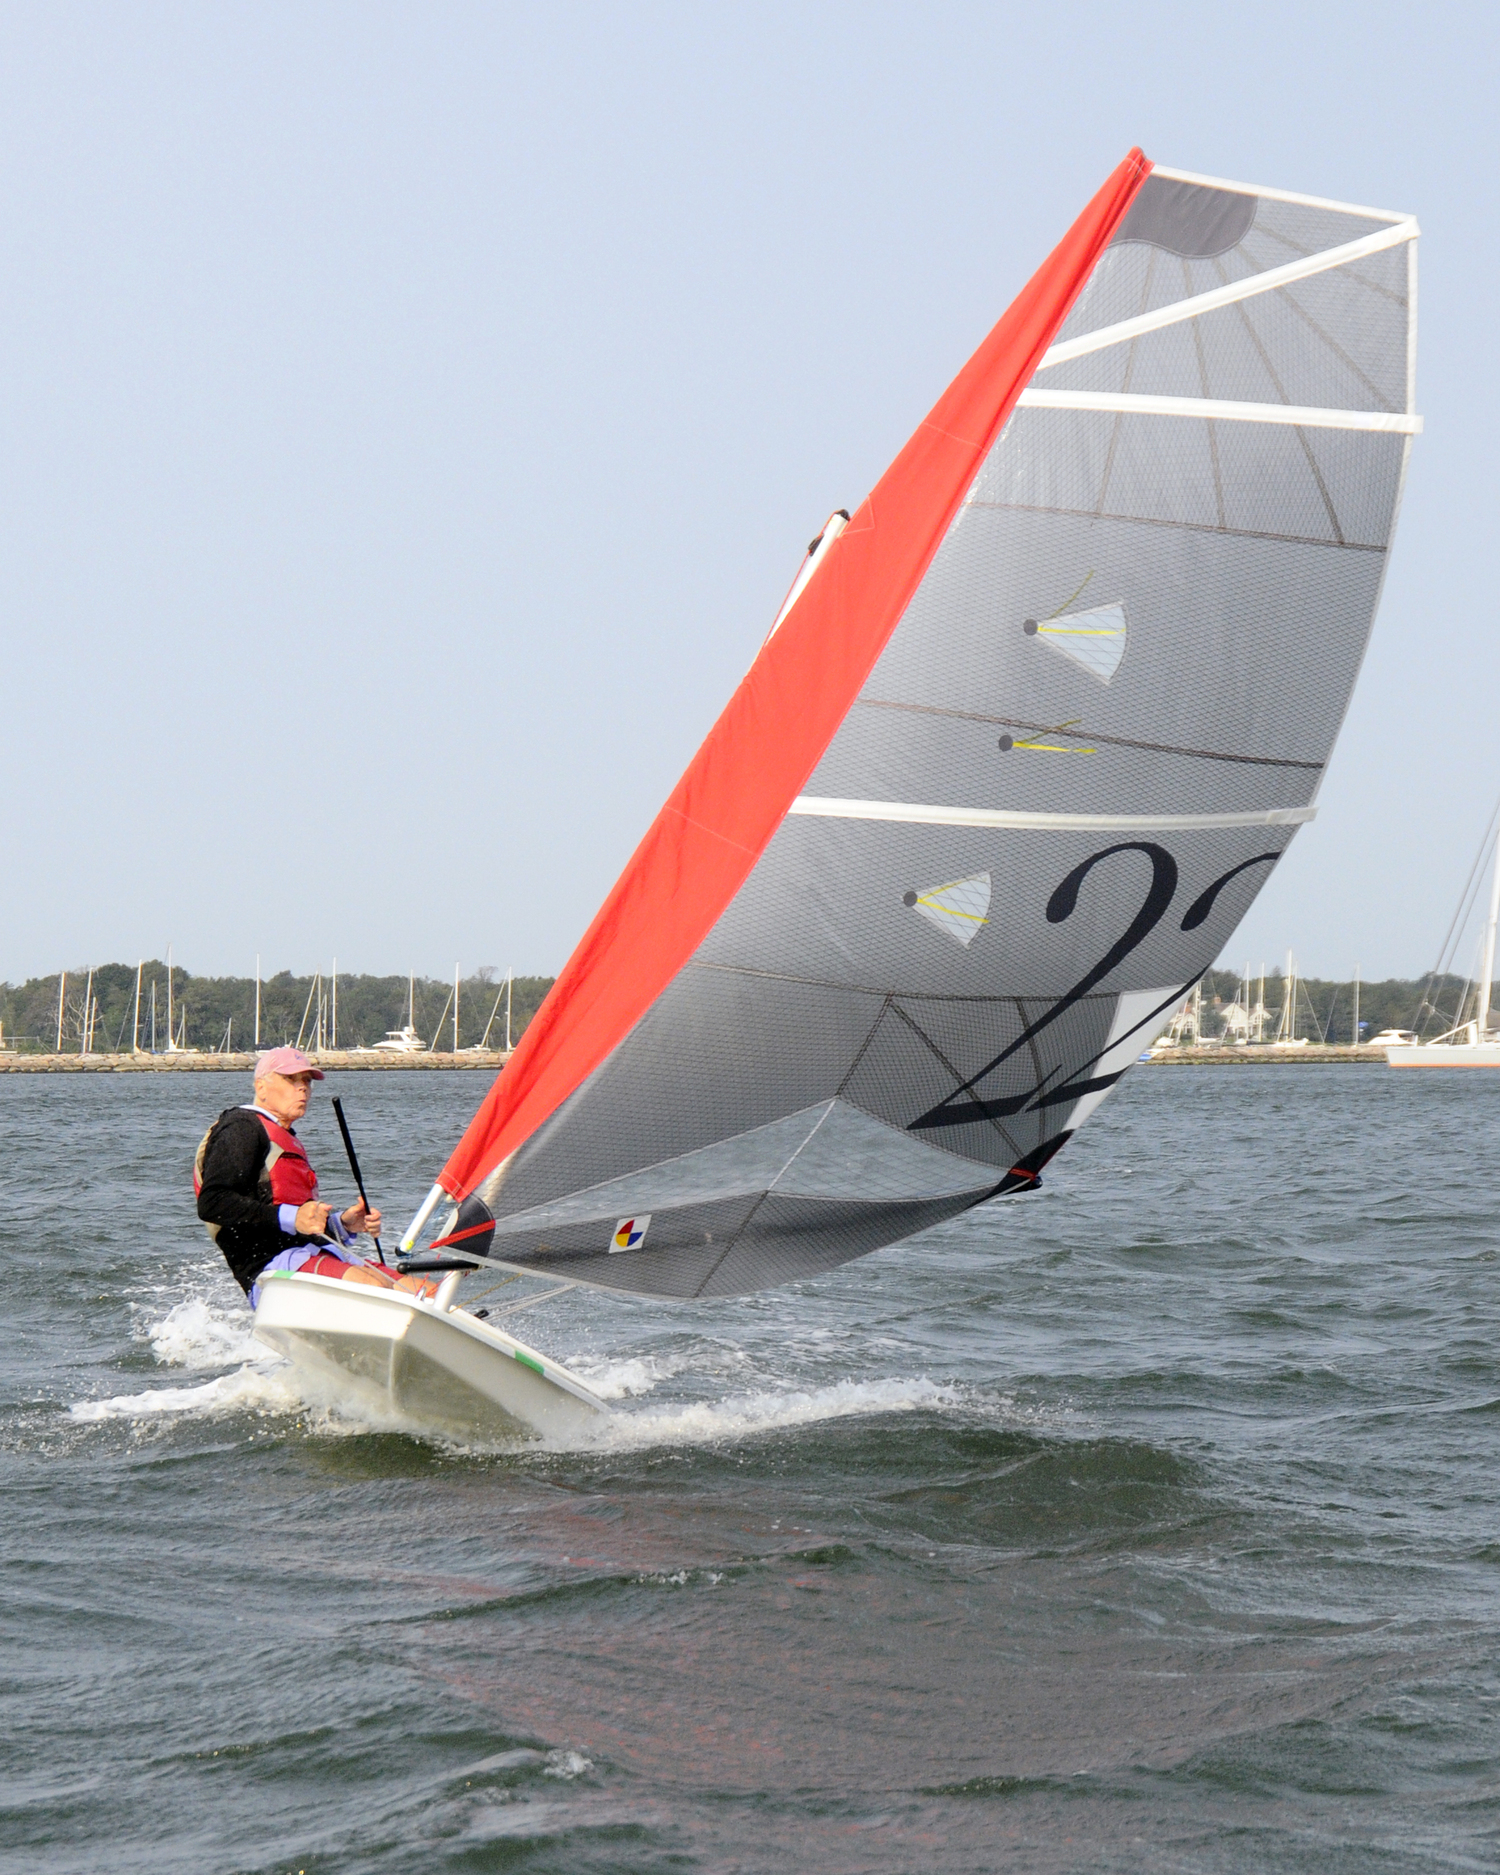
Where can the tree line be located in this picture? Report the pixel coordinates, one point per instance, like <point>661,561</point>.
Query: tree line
<point>212,1012</point>
<point>215,1012</point>
<point>1325,1008</point>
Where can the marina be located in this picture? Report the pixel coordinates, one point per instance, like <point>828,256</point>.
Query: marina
<point>361,1061</point>
<point>1303,1055</point>
<point>183,1061</point>
<point>120,1017</point>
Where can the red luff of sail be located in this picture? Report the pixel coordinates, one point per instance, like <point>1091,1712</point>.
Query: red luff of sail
<point>738,787</point>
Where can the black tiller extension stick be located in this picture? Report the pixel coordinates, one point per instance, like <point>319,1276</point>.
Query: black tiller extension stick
<point>338,1110</point>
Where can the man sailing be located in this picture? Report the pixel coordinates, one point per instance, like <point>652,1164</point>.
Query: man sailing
<point>258,1194</point>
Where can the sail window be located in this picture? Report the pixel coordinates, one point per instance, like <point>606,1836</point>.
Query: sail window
<point>960,908</point>
<point>1095,639</point>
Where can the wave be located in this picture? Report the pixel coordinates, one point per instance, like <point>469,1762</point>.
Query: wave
<point>626,1377</point>
<point>250,1388</point>
<point>200,1336</point>
<point>197,1334</point>
<point>744,1415</point>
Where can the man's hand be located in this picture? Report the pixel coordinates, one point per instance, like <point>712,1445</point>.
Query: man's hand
<point>312,1218</point>
<point>357,1219</point>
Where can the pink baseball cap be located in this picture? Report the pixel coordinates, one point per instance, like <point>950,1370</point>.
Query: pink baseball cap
<point>285,1061</point>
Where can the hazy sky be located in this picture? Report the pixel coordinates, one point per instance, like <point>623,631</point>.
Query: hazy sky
<point>413,416</point>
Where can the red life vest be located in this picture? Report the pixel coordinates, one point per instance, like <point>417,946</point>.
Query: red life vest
<point>293,1181</point>
<point>287,1171</point>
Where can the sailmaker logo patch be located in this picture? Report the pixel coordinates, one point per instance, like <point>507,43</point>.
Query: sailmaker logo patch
<point>630,1233</point>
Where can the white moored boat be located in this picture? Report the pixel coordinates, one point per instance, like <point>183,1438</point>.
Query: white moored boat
<point>405,1040</point>
<point>1445,1054</point>
<point>422,1360</point>
<point>1475,1043</point>
<point>1460,1048</point>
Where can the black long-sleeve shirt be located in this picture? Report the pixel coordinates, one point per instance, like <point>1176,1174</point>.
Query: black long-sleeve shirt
<point>235,1196</point>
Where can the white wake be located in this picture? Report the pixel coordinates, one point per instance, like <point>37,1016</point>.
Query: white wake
<point>248,1389</point>
<point>198,1336</point>
<point>745,1415</point>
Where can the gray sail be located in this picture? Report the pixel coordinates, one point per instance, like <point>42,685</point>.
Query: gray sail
<point>1103,714</point>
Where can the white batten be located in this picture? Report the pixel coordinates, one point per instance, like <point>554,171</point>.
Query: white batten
<point>414,1230</point>
<point>1279,195</point>
<point>1220,410</point>
<point>1230,295</point>
<point>914,813</point>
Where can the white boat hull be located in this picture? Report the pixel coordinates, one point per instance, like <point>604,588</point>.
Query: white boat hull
<point>402,1354</point>
<point>1445,1055</point>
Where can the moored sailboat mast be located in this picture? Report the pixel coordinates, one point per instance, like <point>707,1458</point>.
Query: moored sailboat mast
<point>1487,966</point>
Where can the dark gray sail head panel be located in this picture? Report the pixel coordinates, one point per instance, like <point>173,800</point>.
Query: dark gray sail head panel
<point>1187,219</point>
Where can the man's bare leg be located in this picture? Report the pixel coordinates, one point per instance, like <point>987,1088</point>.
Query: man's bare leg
<point>376,1278</point>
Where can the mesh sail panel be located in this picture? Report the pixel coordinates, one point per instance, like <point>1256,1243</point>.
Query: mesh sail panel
<point>1098,721</point>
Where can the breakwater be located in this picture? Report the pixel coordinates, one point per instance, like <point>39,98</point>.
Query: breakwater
<point>1255,1056</point>
<point>187,1062</point>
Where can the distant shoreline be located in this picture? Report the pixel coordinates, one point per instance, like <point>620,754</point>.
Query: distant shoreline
<point>341,1060</point>
<point>1270,1056</point>
<point>351,1061</point>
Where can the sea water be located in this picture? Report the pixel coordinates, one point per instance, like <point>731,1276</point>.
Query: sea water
<point>1148,1522</point>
